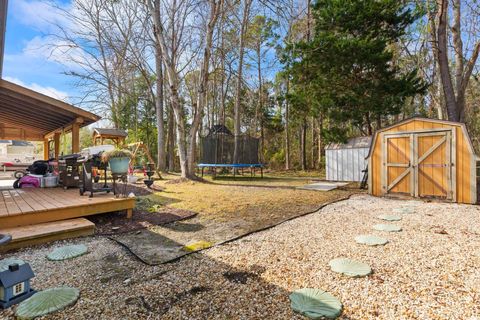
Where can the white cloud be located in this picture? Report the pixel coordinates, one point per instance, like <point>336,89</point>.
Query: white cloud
<point>54,49</point>
<point>40,14</point>
<point>48,91</point>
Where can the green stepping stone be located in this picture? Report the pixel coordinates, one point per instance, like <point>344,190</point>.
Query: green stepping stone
<point>387,227</point>
<point>67,252</point>
<point>6,262</point>
<point>370,240</point>
<point>390,217</point>
<point>315,303</point>
<point>349,267</point>
<point>406,210</point>
<point>46,302</point>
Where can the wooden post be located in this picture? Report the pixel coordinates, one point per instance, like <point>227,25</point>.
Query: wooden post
<point>56,146</point>
<point>46,148</point>
<point>75,137</point>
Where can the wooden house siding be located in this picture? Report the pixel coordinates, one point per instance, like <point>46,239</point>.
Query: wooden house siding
<point>394,144</point>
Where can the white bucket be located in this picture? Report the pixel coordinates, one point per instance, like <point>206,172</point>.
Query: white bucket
<point>50,181</point>
<point>132,179</point>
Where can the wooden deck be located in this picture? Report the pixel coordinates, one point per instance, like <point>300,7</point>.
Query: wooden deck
<point>20,207</point>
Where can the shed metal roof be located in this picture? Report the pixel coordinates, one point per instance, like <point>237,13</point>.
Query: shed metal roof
<point>353,143</point>
<point>110,132</point>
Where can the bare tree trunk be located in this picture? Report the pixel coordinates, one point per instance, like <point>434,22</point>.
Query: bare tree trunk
<point>320,141</point>
<point>455,101</point>
<point>287,128</point>
<point>259,112</point>
<point>202,86</point>
<point>169,61</point>
<point>437,90</point>
<point>303,144</point>
<point>222,63</point>
<point>237,115</point>
<point>159,102</point>
<point>443,61</point>
<point>171,141</point>
<point>313,137</point>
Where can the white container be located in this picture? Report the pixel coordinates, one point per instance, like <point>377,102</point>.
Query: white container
<point>132,179</point>
<point>50,181</point>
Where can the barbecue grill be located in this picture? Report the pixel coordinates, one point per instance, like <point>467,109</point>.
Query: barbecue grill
<point>69,168</point>
<point>90,173</point>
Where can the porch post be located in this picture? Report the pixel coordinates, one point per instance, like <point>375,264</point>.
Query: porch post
<point>56,139</point>
<point>76,135</point>
<point>46,148</point>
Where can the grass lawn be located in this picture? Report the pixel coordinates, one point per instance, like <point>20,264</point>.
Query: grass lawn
<point>254,199</point>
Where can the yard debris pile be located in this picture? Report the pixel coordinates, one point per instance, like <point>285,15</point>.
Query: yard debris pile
<point>418,274</point>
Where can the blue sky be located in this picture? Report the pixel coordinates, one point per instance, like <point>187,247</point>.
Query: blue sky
<point>28,25</point>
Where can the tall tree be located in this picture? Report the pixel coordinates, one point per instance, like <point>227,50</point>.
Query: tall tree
<point>238,92</point>
<point>214,13</point>
<point>170,54</point>
<point>454,94</point>
<point>348,66</point>
<point>161,156</point>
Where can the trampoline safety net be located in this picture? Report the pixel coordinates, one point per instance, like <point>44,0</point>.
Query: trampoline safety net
<point>219,149</point>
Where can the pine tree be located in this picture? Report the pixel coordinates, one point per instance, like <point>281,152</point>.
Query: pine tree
<point>348,68</point>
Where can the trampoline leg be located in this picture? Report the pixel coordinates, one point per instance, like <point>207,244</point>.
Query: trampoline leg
<point>202,172</point>
<point>261,171</point>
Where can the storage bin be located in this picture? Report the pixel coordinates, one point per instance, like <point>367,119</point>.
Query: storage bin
<point>50,181</point>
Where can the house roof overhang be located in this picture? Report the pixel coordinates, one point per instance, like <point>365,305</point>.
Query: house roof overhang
<point>28,115</point>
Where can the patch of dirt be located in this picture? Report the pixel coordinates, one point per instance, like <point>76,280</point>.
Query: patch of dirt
<point>238,276</point>
<point>139,189</point>
<point>117,222</point>
<point>149,211</point>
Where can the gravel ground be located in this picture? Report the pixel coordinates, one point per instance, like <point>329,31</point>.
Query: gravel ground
<point>427,271</point>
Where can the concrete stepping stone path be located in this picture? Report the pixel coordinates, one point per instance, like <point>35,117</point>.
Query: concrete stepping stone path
<point>46,302</point>
<point>315,303</point>
<point>389,217</point>
<point>371,240</point>
<point>350,267</point>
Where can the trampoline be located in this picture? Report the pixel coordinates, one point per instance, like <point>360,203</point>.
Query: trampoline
<point>252,167</point>
<point>217,151</point>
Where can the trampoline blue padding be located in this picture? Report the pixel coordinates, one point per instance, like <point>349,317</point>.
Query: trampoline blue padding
<point>230,165</point>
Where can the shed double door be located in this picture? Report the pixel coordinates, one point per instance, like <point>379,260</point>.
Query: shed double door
<point>419,164</point>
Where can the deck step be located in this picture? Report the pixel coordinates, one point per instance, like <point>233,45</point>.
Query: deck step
<point>45,232</point>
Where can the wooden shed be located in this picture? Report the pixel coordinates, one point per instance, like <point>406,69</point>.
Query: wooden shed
<point>423,158</point>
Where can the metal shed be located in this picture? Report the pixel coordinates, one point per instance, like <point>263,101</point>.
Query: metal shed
<point>345,162</point>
